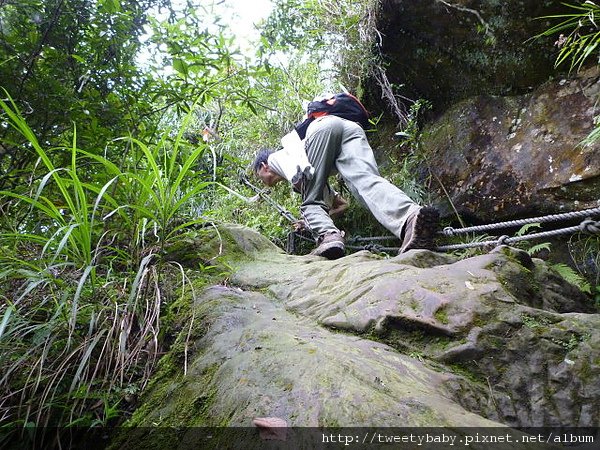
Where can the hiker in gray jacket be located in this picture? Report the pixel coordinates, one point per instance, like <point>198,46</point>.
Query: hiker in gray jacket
<point>336,144</point>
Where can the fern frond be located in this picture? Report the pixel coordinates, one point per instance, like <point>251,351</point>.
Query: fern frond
<point>538,248</point>
<point>525,228</point>
<point>572,277</point>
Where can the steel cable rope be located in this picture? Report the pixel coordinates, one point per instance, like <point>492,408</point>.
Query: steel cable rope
<point>588,225</point>
<point>293,234</point>
<point>449,231</point>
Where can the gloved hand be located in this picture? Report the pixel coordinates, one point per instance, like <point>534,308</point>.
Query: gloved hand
<point>299,225</point>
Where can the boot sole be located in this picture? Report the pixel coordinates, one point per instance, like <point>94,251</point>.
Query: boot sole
<point>333,250</point>
<point>427,224</point>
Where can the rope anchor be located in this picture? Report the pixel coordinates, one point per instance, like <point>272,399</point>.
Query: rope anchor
<point>590,226</point>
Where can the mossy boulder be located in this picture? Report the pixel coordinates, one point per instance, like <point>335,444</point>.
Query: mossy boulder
<point>422,339</point>
<point>217,247</point>
<point>512,157</point>
<point>474,316</point>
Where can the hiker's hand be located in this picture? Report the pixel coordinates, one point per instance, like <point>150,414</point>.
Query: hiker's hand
<point>299,225</point>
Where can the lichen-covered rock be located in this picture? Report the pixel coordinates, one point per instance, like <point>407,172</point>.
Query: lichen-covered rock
<point>507,157</point>
<point>253,358</point>
<point>503,318</point>
<point>422,339</point>
<point>256,359</point>
<point>446,51</point>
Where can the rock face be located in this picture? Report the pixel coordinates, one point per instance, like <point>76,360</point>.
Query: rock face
<point>448,50</point>
<point>422,339</point>
<point>503,142</point>
<point>508,157</point>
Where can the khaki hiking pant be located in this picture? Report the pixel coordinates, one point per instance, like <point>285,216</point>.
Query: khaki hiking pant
<point>335,143</point>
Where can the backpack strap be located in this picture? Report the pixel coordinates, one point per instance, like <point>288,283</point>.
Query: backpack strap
<point>303,126</point>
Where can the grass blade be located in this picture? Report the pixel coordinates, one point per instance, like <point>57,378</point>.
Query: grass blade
<point>5,319</point>
<point>82,280</point>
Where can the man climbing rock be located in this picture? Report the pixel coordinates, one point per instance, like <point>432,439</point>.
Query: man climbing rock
<point>333,143</point>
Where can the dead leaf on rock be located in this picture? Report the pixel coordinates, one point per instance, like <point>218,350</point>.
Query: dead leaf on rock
<point>271,428</point>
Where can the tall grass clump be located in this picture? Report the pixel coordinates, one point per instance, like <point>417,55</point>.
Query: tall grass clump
<point>83,278</point>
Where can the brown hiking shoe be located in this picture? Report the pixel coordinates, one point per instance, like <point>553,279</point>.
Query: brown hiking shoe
<point>331,246</point>
<point>420,229</point>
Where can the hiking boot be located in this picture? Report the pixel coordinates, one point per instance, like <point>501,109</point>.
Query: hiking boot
<point>420,229</point>
<point>331,246</point>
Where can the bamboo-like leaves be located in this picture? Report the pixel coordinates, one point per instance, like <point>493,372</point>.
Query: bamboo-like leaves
<point>581,42</point>
<point>583,36</point>
<point>77,332</point>
<point>161,184</point>
<point>68,213</point>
